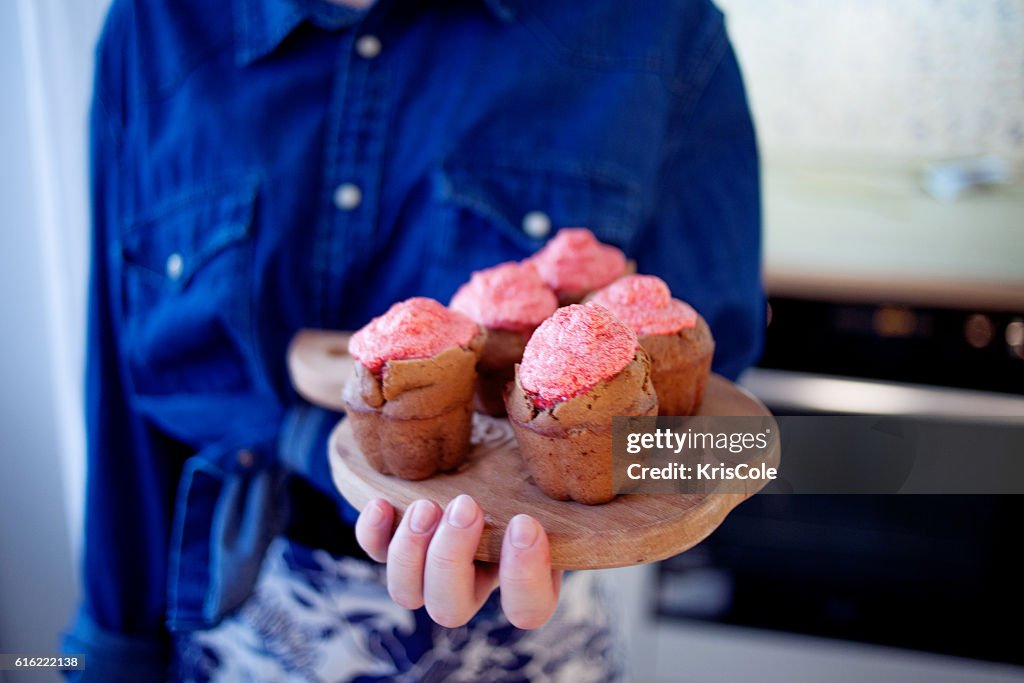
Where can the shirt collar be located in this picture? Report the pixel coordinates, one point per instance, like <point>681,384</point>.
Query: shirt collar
<point>261,25</point>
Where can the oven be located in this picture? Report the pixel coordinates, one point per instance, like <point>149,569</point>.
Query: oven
<point>856,587</point>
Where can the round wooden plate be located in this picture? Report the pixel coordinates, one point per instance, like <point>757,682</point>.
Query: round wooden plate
<point>632,529</point>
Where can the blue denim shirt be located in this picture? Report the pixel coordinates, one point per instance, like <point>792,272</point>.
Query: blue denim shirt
<point>221,135</point>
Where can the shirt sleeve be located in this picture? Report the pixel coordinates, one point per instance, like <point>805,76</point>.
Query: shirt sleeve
<point>131,469</point>
<point>704,233</point>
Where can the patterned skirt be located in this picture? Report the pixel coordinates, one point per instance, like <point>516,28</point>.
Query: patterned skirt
<point>316,617</point>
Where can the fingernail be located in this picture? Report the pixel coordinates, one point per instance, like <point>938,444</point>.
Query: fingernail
<point>462,512</point>
<point>422,517</point>
<point>374,514</point>
<point>522,531</point>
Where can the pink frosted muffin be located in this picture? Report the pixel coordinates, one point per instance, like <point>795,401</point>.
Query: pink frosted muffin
<point>509,301</point>
<point>574,264</point>
<point>675,336</point>
<point>581,368</point>
<point>409,400</point>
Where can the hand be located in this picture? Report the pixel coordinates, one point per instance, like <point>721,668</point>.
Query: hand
<point>430,562</point>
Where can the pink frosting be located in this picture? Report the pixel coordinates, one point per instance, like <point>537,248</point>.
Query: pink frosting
<point>510,296</point>
<point>574,261</point>
<point>644,303</point>
<point>572,351</point>
<point>414,328</point>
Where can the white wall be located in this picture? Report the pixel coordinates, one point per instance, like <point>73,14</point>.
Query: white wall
<point>45,74</point>
<point>854,100</point>
<point>909,79</point>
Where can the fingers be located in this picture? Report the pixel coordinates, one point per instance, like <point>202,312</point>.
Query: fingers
<point>454,587</point>
<point>406,556</point>
<point>430,562</point>
<point>373,528</point>
<point>529,587</point>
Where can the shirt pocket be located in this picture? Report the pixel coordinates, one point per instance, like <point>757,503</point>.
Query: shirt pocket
<point>187,292</point>
<point>487,210</point>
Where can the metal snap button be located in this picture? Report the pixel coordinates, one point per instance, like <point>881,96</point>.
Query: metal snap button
<point>536,224</point>
<point>348,196</point>
<point>175,266</point>
<point>368,46</point>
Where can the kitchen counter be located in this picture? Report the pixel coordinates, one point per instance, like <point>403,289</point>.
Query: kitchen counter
<point>867,231</point>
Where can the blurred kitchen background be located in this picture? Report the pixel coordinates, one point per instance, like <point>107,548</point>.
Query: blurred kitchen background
<point>892,134</point>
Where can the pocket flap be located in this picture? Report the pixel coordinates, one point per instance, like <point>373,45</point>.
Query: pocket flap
<point>178,237</point>
<point>570,195</point>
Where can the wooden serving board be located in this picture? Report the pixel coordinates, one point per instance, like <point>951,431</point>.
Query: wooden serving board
<point>632,529</point>
<point>319,365</point>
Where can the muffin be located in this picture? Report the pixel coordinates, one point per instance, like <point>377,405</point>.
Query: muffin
<point>675,336</point>
<point>509,301</point>
<point>580,368</point>
<point>574,264</point>
<point>410,398</point>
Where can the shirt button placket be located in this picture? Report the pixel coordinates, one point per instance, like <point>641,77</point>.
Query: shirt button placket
<point>353,156</point>
<point>348,196</point>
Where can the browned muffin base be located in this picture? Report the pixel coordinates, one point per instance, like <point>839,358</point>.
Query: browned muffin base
<point>680,365</point>
<point>413,448</point>
<point>575,465</point>
<point>496,369</point>
<point>415,418</point>
<point>568,448</point>
<point>569,298</point>
<point>489,397</point>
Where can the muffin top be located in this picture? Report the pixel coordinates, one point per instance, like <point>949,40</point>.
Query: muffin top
<point>509,296</point>
<point>572,351</point>
<point>414,328</point>
<point>574,261</point>
<point>645,303</point>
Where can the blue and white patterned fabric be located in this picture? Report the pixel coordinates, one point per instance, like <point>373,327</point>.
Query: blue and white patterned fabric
<point>317,617</point>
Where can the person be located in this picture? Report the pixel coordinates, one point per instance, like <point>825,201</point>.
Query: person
<point>263,166</point>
